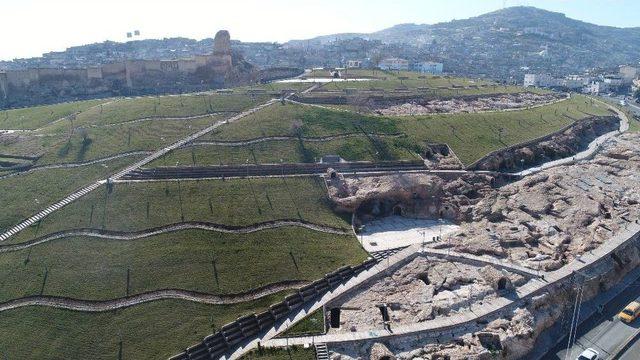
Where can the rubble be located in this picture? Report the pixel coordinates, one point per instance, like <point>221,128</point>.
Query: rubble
<point>424,289</point>
<point>546,220</point>
<point>468,105</point>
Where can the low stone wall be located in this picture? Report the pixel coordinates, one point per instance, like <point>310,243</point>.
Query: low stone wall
<point>234,334</point>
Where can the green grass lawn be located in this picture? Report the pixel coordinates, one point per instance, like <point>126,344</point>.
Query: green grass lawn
<point>313,324</point>
<point>129,109</point>
<point>360,148</point>
<point>39,116</point>
<point>471,136</point>
<point>105,141</point>
<point>293,353</point>
<point>24,195</point>
<point>291,119</point>
<point>155,330</point>
<point>238,202</point>
<point>96,269</point>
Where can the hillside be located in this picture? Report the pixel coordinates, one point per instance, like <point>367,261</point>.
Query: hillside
<point>500,42</point>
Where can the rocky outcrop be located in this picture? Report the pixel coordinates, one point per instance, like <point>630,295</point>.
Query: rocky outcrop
<point>562,144</point>
<point>416,195</point>
<point>467,105</point>
<point>546,220</point>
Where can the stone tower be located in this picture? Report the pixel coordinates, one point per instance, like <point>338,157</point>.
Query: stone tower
<point>222,43</point>
<point>221,60</point>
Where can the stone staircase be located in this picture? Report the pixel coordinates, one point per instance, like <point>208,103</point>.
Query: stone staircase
<point>322,352</point>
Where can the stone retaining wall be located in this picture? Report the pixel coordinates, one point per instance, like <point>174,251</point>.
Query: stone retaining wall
<point>233,334</point>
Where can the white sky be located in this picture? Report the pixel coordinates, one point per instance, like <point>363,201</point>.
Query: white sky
<point>31,27</point>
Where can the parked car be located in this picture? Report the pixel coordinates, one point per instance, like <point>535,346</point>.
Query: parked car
<point>630,312</point>
<point>589,354</point>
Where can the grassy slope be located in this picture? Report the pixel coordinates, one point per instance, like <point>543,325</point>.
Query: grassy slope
<point>96,269</point>
<point>293,353</point>
<point>231,202</point>
<point>313,324</point>
<point>470,135</point>
<point>38,116</point>
<point>26,194</point>
<point>122,138</point>
<point>359,148</point>
<point>149,331</point>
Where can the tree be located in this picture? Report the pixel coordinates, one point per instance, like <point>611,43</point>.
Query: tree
<point>636,95</point>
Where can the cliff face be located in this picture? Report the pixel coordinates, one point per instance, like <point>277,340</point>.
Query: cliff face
<point>221,68</point>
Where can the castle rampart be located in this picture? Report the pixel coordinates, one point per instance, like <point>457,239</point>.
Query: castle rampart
<point>131,76</point>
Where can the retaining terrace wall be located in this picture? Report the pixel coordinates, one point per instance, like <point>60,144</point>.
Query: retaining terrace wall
<point>233,334</point>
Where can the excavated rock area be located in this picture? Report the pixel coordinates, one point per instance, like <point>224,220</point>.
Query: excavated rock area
<point>469,105</point>
<point>422,290</point>
<point>560,145</point>
<point>512,335</point>
<point>548,219</point>
<point>409,194</point>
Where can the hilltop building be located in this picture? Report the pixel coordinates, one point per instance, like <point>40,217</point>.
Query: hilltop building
<point>220,68</point>
<point>354,64</point>
<point>429,67</point>
<point>394,64</point>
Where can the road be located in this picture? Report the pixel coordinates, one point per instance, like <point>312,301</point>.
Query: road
<point>604,332</point>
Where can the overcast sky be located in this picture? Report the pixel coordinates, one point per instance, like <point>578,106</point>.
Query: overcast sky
<point>30,27</point>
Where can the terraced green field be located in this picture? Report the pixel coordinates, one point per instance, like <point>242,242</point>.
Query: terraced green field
<point>155,330</point>
<point>470,135</point>
<point>197,260</point>
<point>39,116</point>
<point>28,193</point>
<point>239,202</point>
<point>211,262</point>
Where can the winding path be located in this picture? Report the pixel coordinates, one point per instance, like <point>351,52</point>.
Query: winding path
<point>164,294</point>
<point>286,138</point>
<point>136,235</point>
<point>591,150</point>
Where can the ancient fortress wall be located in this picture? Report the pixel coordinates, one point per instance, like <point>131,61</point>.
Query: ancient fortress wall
<point>3,85</point>
<point>15,85</point>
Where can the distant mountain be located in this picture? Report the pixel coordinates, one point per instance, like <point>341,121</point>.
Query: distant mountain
<point>510,38</point>
<point>503,44</point>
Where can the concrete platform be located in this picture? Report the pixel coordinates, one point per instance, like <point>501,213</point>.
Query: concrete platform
<point>397,231</point>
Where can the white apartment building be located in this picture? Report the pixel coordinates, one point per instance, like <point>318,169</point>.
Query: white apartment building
<point>394,64</point>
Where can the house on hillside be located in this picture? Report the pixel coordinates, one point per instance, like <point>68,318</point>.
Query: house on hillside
<point>429,67</point>
<point>394,64</point>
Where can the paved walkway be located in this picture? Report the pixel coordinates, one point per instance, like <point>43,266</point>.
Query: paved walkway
<point>467,320</point>
<point>396,231</point>
<point>155,155</point>
<point>591,150</point>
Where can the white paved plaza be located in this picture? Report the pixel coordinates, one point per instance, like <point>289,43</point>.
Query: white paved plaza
<point>397,231</point>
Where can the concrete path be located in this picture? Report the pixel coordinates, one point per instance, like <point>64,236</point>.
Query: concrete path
<point>396,231</point>
<point>591,150</point>
<point>155,155</point>
<point>468,319</point>
<point>150,296</point>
